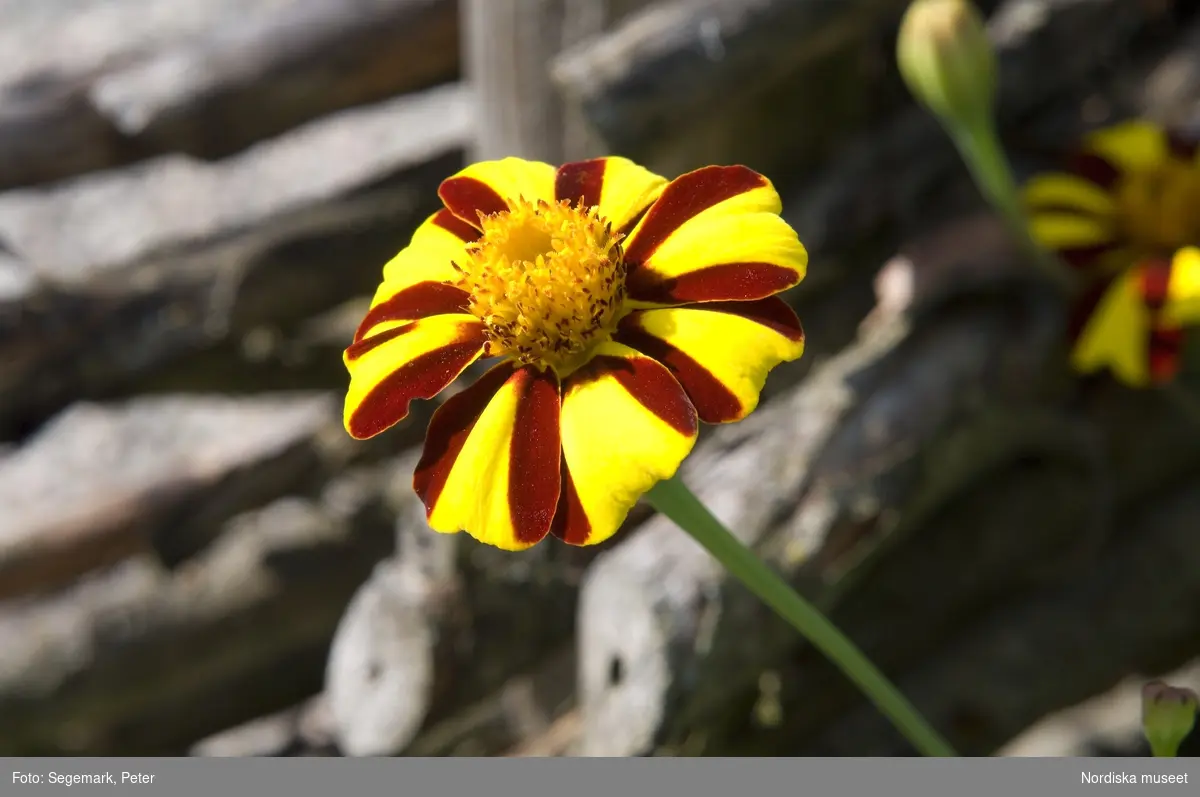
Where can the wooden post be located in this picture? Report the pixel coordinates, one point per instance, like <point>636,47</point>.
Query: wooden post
<point>507,49</point>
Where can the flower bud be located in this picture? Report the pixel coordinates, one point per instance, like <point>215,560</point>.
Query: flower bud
<point>1168,714</point>
<point>947,60</point>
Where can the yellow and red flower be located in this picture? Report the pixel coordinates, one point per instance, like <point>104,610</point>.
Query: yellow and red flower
<point>1125,214</point>
<point>624,309</point>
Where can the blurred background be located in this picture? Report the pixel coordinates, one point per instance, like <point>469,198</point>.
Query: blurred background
<point>196,201</point>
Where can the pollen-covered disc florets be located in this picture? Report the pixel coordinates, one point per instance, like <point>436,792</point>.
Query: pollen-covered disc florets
<point>547,280</point>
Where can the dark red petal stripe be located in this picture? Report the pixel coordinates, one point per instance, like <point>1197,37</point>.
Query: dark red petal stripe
<point>467,197</point>
<point>580,182</point>
<point>360,347</point>
<point>453,224</point>
<point>714,402</point>
<point>772,312</point>
<point>649,383</point>
<point>1095,168</point>
<point>571,524</point>
<point>534,454</point>
<point>683,198</point>
<point>422,377</point>
<point>448,430</point>
<point>416,301</point>
<point>732,281</point>
<point>1165,347</point>
<point>1154,278</point>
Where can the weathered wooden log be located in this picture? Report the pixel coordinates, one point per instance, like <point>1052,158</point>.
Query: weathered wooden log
<point>1108,724</point>
<point>150,477</point>
<point>781,84</point>
<point>145,660</point>
<point>210,83</point>
<point>531,714</point>
<point>174,257</point>
<point>440,628</point>
<point>1127,613</point>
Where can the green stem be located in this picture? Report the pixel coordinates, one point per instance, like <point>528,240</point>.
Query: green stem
<point>673,499</point>
<point>985,159</point>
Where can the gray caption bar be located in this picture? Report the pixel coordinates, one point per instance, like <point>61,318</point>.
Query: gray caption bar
<point>594,777</point>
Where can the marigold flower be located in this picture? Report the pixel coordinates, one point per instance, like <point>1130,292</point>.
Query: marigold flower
<point>1131,191</point>
<point>623,308</point>
<point>1126,216</point>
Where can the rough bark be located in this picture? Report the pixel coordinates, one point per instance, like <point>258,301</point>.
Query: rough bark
<point>218,78</point>
<point>143,658</point>
<point>150,477</point>
<point>781,84</point>
<point>441,627</point>
<point>133,270</point>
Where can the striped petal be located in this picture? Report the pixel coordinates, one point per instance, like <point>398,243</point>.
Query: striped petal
<point>714,234</point>
<point>721,353</point>
<point>626,425</point>
<point>1115,336</point>
<point>490,466</point>
<point>486,187</point>
<point>619,188</point>
<point>1129,146</point>
<point>415,280</point>
<point>392,367</point>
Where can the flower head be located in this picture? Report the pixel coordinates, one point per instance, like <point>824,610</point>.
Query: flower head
<point>1131,191</point>
<point>1126,216</point>
<point>623,309</point>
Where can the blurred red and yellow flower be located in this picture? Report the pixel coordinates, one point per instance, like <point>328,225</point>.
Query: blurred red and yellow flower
<point>1125,214</point>
<point>623,308</point>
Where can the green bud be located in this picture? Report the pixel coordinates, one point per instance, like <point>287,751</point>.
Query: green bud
<point>1168,714</point>
<point>947,61</point>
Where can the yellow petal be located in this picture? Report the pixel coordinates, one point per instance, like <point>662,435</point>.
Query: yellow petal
<point>720,353</point>
<point>1059,230</point>
<point>619,188</point>
<point>491,186</point>
<point>1066,191</point>
<point>714,234</point>
<point>391,367</point>
<point>1133,145</point>
<point>626,425</point>
<point>439,240</point>
<point>1182,307</point>
<point>491,461</point>
<point>1115,334</point>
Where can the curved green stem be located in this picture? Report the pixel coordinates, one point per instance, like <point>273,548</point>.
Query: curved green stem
<point>981,151</point>
<point>673,498</point>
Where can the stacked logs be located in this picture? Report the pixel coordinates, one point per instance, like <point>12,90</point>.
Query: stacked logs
<point>195,558</point>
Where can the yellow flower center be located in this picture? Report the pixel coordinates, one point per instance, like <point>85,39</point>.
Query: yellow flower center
<point>548,282</point>
<point>1159,206</point>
